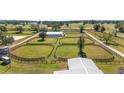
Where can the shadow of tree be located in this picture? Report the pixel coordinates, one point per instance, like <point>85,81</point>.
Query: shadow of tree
<point>40,40</point>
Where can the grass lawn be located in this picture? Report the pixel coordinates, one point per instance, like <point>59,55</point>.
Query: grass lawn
<point>118,40</point>
<point>73,35</point>
<point>21,68</point>
<point>33,51</point>
<point>75,24</point>
<point>119,48</point>
<point>96,52</point>
<point>69,40</point>
<point>110,69</point>
<point>67,51</point>
<point>120,34</point>
<point>88,25</point>
<point>87,41</point>
<point>75,40</point>
<point>39,41</point>
<point>23,33</point>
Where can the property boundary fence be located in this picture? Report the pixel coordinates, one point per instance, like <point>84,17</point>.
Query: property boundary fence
<point>30,60</point>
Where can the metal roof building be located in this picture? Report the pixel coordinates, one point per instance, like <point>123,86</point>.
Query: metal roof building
<point>80,66</point>
<point>55,33</point>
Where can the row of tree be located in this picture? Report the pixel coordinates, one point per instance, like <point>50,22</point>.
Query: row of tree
<point>99,28</point>
<point>6,39</point>
<point>119,27</point>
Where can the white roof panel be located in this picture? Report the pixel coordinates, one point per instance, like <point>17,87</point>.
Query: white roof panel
<point>82,66</point>
<point>61,72</point>
<point>54,32</point>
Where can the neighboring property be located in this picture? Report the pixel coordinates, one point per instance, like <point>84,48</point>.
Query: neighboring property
<point>80,66</point>
<point>55,33</point>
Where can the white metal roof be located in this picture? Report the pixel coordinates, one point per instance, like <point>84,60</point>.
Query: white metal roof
<point>62,72</point>
<point>54,32</point>
<point>81,66</point>
<point>5,57</point>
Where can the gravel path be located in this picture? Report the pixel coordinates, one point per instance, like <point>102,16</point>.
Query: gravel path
<point>110,48</point>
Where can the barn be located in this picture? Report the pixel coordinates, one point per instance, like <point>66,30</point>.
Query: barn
<point>55,33</point>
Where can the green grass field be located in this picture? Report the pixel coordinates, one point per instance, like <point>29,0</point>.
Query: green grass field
<point>33,51</point>
<point>23,33</point>
<point>67,51</point>
<point>21,68</point>
<point>69,40</point>
<point>110,69</point>
<point>46,41</point>
<point>90,51</point>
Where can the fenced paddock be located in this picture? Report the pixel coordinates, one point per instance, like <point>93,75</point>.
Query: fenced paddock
<point>32,53</point>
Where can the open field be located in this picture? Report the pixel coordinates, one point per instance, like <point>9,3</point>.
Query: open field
<point>66,51</point>
<point>110,68</point>
<point>22,68</point>
<point>69,40</point>
<point>33,51</point>
<point>23,33</point>
<point>73,35</point>
<point>120,34</point>
<point>119,48</point>
<point>101,53</point>
<point>46,41</point>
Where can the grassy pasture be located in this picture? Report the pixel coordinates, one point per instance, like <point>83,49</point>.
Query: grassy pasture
<point>96,52</point>
<point>110,68</point>
<point>46,41</point>
<point>69,40</point>
<point>67,51</point>
<point>33,51</point>
<point>22,68</point>
<point>23,33</point>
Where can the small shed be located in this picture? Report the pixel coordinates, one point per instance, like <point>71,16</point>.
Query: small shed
<point>55,33</point>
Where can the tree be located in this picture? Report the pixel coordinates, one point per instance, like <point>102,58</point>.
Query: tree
<point>7,40</point>
<point>96,27</point>
<point>117,26</point>
<point>20,29</point>
<point>102,29</point>
<point>121,29</point>
<point>107,36</point>
<point>67,25</point>
<point>10,39</point>
<point>81,46</point>
<point>42,35</point>
<point>34,27</point>
<point>39,26</point>
<point>3,28</point>
<point>115,33</point>
<point>56,26</point>
<point>81,29</point>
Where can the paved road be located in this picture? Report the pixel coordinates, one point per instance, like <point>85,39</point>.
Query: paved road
<point>112,49</point>
<point>24,40</point>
